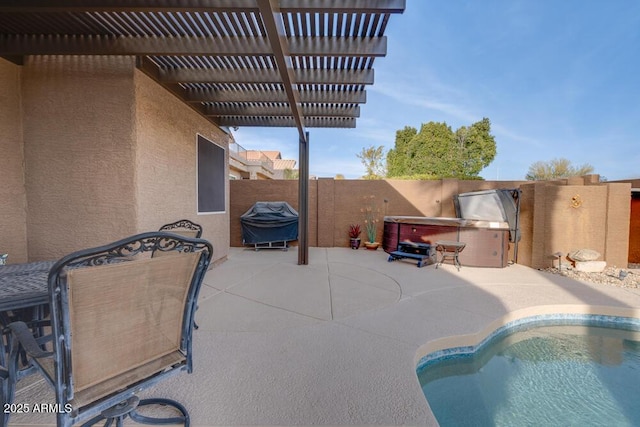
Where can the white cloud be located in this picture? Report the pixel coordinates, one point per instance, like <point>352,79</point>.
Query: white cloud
<point>408,94</point>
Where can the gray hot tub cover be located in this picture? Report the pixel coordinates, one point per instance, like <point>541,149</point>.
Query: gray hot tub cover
<point>491,205</point>
<point>269,222</point>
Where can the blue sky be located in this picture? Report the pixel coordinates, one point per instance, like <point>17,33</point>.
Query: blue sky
<point>557,78</point>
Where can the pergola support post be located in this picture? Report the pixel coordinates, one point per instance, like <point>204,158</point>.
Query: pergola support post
<point>303,200</point>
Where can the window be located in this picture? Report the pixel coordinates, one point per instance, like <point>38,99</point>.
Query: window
<point>212,178</point>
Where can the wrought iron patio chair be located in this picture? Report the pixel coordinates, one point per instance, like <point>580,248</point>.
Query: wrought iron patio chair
<point>5,396</point>
<point>121,322</point>
<point>184,227</point>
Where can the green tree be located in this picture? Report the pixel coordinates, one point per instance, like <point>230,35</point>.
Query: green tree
<point>476,148</point>
<point>291,173</point>
<point>556,168</point>
<point>397,157</point>
<point>339,176</point>
<point>373,160</point>
<point>440,152</point>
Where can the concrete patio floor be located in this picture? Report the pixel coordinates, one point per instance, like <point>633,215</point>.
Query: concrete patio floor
<point>336,342</point>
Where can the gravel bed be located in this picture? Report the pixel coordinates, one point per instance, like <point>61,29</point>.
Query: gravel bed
<point>612,276</point>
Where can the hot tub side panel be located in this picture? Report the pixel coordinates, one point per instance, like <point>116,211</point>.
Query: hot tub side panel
<point>485,247</point>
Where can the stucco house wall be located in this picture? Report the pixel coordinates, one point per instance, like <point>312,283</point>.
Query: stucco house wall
<point>13,197</point>
<point>79,118</point>
<point>166,164</point>
<point>93,151</point>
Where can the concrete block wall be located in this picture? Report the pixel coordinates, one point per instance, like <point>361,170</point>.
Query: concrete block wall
<point>561,215</point>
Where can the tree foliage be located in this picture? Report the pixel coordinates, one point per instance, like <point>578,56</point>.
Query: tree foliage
<point>440,152</point>
<point>373,160</point>
<point>556,168</point>
<point>398,157</point>
<point>290,173</point>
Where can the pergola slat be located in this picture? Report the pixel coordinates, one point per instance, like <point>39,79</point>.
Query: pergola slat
<point>280,110</point>
<point>307,97</point>
<point>253,75</point>
<point>312,122</point>
<point>11,45</point>
<point>306,6</point>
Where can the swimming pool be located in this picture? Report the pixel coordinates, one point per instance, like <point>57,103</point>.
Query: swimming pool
<point>544,370</point>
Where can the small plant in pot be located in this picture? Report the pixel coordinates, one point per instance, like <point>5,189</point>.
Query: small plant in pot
<point>371,213</point>
<point>354,235</point>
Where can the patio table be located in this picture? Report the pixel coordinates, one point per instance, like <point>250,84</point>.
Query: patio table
<point>24,285</point>
<point>449,250</point>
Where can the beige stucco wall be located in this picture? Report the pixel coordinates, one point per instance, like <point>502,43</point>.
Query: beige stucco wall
<point>334,204</point>
<point>548,220</point>
<point>13,199</point>
<point>106,152</point>
<point>79,120</point>
<point>166,163</point>
<point>575,218</point>
<point>569,217</point>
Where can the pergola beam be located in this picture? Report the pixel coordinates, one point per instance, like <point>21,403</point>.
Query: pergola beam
<point>274,26</point>
<point>244,95</point>
<point>13,45</point>
<point>272,20</point>
<point>310,122</point>
<point>286,6</point>
<point>267,75</point>
<point>281,110</point>
<point>151,69</point>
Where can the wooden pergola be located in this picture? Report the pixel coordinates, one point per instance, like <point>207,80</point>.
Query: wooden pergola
<point>285,63</point>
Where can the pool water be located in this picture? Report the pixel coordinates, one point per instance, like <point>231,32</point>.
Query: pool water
<point>550,375</point>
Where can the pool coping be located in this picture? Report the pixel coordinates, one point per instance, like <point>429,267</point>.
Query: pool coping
<point>453,346</point>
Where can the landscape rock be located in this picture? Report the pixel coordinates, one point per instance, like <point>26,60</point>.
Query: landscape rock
<point>584,255</point>
<point>590,266</point>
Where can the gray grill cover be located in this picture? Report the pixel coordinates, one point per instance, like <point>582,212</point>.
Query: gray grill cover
<point>269,222</point>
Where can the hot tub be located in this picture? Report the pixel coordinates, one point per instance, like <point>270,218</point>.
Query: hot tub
<point>487,242</point>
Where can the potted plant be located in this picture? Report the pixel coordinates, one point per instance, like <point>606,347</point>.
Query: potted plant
<point>354,235</point>
<point>371,213</point>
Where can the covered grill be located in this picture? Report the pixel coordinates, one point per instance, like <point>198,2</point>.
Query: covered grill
<point>269,225</point>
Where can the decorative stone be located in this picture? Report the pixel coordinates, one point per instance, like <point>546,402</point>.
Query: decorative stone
<point>584,255</point>
<point>590,266</point>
